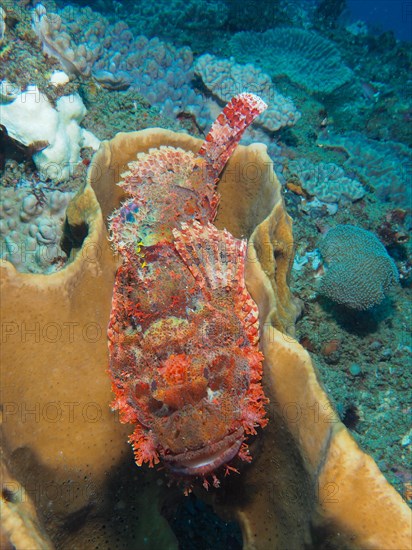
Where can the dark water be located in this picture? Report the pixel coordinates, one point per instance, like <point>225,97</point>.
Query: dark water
<point>384,15</point>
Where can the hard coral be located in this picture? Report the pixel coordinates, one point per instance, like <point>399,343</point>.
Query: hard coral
<point>31,226</point>
<point>157,70</point>
<point>305,57</point>
<point>223,77</point>
<point>180,21</point>
<point>309,484</point>
<point>74,59</point>
<point>2,24</point>
<point>359,270</point>
<point>31,119</point>
<point>326,181</point>
<point>20,526</point>
<point>384,165</point>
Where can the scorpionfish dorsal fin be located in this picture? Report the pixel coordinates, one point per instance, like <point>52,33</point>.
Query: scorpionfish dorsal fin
<point>228,129</point>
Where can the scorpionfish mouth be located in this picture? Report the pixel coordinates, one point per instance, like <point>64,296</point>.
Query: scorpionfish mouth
<point>208,458</point>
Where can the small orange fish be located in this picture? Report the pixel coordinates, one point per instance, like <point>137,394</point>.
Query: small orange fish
<point>183,331</point>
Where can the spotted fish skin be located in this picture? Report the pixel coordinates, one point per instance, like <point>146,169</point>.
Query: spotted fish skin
<point>183,332</point>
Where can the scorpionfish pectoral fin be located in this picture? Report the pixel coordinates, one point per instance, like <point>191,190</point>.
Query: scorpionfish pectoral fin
<point>216,260</point>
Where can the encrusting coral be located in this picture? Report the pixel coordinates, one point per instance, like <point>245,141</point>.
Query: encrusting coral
<point>309,482</point>
<point>31,223</point>
<point>327,181</point>
<point>384,165</point>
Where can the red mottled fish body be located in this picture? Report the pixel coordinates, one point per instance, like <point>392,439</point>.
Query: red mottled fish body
<point>183,331</point>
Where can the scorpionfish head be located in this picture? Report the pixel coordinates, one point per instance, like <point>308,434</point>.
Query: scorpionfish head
<point>204,396</point>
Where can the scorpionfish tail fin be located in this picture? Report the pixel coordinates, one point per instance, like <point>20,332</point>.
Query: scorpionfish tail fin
<point>216,260</point>
<point>227,131</point>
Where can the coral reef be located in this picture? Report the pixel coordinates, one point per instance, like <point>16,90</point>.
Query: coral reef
<point>224,78</point>
<point>180,21</point>
<point>328,12</point>
<point>308,484</point>
<point>305,57</point>
<point>359,271</point>
<point>326,181</point>
<point>301,458</point>
<point>2,25</point>
<point>299,15</point>
<point>393,230</point>
<point>384,165</point>
<point>31,226</point>
<point>31,119</point>
<point>157,70</point>
<point>75,59</point>
<point>87,459</point>
<point>256,15</point>
<point>334,491</point>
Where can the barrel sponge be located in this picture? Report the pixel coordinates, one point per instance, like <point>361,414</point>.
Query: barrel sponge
<point>359,271</point>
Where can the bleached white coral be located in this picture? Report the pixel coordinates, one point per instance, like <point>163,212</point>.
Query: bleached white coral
<point>32,118</point>
<point>59,78</point>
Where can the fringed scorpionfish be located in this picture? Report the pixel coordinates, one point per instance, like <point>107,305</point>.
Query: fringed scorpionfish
<point>183,331</point>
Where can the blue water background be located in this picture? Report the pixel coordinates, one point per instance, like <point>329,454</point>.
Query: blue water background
<point>384,15</point>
